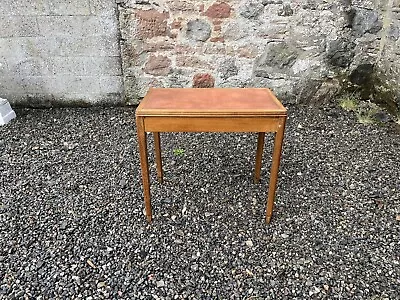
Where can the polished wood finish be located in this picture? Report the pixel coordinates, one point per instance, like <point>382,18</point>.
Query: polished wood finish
<point>276,158</point>
<point>260,148</point>
<point>210,102</point>
<point>157,148</point>
<point>144,164</point>
<point>211,124</point>
<point>211,110</point>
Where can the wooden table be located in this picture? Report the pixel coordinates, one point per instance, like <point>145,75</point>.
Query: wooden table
<point>211,110</point>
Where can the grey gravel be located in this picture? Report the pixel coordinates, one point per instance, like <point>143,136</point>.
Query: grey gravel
<point>72,223</point>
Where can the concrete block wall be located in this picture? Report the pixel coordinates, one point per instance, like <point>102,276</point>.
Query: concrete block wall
<point>60,52</point>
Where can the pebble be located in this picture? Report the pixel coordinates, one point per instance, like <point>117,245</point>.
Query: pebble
<point>39,264</point>
<point>63,225</point>
<point>249,243</point>
<point>160,283</point>
<point>77,279</point>
<point>71,223</point>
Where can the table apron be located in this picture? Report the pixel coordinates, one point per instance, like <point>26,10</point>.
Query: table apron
<point>213,124</point>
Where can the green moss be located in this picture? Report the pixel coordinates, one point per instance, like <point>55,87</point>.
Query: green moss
<point>368,84</point>
<point>349,102</point>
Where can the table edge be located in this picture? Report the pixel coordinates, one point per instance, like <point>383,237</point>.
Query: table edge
<point>227,114</point>
<point>146,112</point>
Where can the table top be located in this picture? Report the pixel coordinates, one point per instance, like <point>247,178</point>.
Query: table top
<point>210,102</point>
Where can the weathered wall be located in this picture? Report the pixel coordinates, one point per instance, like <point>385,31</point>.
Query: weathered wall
<point>57,51</point>
<point>305,50</point>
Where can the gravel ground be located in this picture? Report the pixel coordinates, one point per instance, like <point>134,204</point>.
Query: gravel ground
<point>72,222</point>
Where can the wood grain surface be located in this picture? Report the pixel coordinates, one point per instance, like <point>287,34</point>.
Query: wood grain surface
<point>210,102</point>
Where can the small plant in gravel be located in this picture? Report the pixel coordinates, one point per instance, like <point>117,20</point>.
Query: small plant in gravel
<point>349,102</point>
<point>365,119</point>
<point>178,152</point>
<point>366,113</point>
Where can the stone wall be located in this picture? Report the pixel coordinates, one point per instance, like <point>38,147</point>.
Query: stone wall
<point>306,50</point>
<point>57,51</point>
<point>69,52</point>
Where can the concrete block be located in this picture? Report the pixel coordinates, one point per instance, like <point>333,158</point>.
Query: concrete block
<point>33,99</point>
<point>107,45</point>
<point>7,84</point>
<point>33,84</point>
<point>10,47</point>
<point>76,99</point>
<point>60,85</point>
<point>18,26</point>
<point>25,47</point>
<point>85,65</point>
<point>55,100</point>
<point>110,84</point>
<point>26,84</point>
<point>108,99</point>
<point>4,70</point>
<point>103,65</point>
<point>23,8</point>
<point>17,49</point>
<point>31,66</point>
<point>82,100</point>
<point>103,7</point>
<point>70,7</point>
<point>24,65</point>
<point>85,84</point>
<point>66,65</point>
<point>13,99</point>
<point>77,25</point>
<point>89,46</point>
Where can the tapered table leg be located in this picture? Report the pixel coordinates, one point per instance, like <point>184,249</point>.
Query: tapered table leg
<point>260,148</point>
<point>157,147</point>
<point>144,164</point>
<point>276,157</point>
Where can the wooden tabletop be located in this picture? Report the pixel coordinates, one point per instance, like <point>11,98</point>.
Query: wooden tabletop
<point>210,102</point>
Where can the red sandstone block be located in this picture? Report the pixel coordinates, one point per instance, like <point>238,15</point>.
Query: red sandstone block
<point>217,28</point>
<point>217,39</point>
<point>151,23</point>
<point>203,81</point>
<point>158,65</point>
<point>176,25</point>
<point>219,10</point>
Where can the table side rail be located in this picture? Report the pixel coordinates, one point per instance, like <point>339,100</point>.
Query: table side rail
<point>213,124</point>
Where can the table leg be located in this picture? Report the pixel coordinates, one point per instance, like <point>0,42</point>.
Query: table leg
<point>157,147</point>
<point>276,157</point>
<point>260,148</point>
<point>142,139</point>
